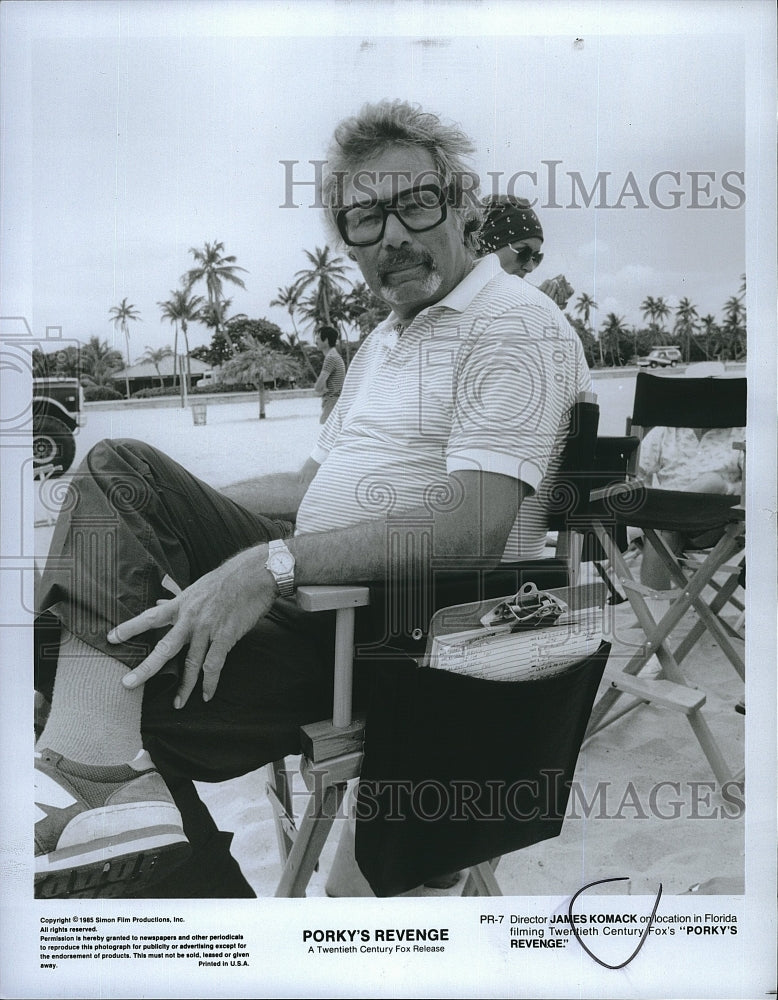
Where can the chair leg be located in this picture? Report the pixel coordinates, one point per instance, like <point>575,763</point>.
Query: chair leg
<point>481,881</point>
<point>320,812</point>
<point>718,764</point>
<point>570,548</point>
<point>723,596</point>
<point>615,597</point>
<point>279,794</point>
<point>657,635</point>
<point>692,588</point>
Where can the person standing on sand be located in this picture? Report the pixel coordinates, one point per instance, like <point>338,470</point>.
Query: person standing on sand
<point>333,371</point>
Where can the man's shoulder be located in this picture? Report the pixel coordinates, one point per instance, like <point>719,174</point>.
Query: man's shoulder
<point>332,359</point>
<point>509,300</point>
<point>507,293</point>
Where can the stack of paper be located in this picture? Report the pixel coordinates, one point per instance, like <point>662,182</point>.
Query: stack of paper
<point>497,654</point>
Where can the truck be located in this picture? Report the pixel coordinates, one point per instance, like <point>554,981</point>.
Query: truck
<point>57,410</point>
<point>661,357</point>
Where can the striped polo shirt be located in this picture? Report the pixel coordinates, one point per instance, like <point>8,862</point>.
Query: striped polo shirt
<point>484,379</point>
<point>334,371</point>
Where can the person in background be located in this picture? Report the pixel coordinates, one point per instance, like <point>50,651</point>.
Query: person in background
<point>695,460</point>
<point>333,371</point>
<point>513,232</point>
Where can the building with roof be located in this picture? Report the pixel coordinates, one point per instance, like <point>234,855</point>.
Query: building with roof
<point>144,374</point>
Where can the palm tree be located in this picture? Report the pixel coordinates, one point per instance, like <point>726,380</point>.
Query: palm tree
<point>686,320</point>
<point>214,268</point>
<point>584,305</point>
<point>648,309</point>
<point>612,332</point>
<point>365,308</point>
<point>327,275</point>
<point>344,310</point>
<point>662,312</point>
<point>98,361</point>
<point>655,310</point>
<point>289,299</point>
<point>256,362</point>
<point>121,315</point>
<point>734,327</point>
<point>155,355</point>
<point>710,331</point>
<point>181,308</point>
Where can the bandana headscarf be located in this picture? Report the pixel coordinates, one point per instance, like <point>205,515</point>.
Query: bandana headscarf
<point>508,220</point>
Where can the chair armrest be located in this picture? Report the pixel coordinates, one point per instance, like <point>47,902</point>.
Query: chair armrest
<point>332,598</point>
<point>342,600</point>
<point>620,490</point>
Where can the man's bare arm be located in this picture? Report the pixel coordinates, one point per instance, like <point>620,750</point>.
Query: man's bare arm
<point>473,526</point>
<point>277,495</point>
<point>218,609</point>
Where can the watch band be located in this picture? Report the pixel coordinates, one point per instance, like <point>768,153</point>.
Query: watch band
<point>280,563</point>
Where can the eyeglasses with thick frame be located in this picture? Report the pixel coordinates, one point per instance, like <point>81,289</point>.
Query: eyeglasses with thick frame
<point>525,254</point>
<point>418,209</point>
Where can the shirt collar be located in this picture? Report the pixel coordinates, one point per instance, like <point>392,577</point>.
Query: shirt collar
<point>461,296</point>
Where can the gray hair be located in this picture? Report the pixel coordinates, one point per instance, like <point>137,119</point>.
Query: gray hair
<point>398,123</point>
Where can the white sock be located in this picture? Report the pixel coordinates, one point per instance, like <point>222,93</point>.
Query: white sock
<point>94,719</point>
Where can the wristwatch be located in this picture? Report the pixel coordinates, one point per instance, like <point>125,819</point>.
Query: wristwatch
<point>280,562</point>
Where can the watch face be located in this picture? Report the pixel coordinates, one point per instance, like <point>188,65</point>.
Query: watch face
<point>281,563</point>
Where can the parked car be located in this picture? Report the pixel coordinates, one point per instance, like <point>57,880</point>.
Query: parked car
<point>57,410</point>
<point>661,357</point>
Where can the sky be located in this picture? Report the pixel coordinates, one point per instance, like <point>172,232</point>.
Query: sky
<point>136,131</point>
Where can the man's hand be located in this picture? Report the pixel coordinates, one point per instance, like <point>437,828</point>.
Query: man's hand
<point>209,617</point>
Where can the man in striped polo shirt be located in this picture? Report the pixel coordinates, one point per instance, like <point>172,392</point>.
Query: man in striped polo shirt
<point>330,381</point>
<point>165,601</point>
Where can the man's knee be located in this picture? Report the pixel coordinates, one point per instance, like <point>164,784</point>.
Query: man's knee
<point>122,470</point>
<point>111,450</point>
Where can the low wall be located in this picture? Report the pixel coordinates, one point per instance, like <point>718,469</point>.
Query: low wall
<point>217,398</point>
<point>212,399</point>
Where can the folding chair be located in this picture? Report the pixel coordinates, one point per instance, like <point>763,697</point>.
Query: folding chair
<point>333,749</point>
<point>676,402</point>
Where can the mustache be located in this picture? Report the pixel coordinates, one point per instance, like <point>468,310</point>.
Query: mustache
<point>403,258</point>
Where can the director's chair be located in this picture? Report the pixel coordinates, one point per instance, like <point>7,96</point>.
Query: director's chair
<point>676,402</point>
<point>333,750</point>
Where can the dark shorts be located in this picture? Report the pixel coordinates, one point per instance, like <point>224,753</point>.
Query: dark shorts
<point>327,406</point>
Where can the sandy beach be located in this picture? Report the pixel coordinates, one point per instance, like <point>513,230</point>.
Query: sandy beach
<point>645,803</point>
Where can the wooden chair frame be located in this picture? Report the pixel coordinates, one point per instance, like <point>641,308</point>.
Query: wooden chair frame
<point>332,756</point>
<point>332,749</point>
<point>691,576</point>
